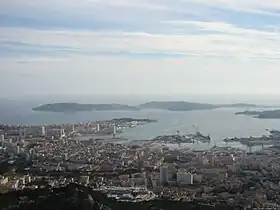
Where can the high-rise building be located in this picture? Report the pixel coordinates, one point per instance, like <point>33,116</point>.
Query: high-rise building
<point>43,131</point>
<point>114,131</point>
<point>73,128</point>
<point>164,174</point>
<point>18,150</point>
<point>2,139</point>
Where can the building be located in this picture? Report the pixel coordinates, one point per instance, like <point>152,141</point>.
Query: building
<point>155,179</point>
<point>56,132</point>
<point>27,178</point>
<point>2,139</point>
<point>164,174</point>
<point>84,180</point>
<point>18,150</point>
<point>4,180</point>
<point>34,131</point>
<point>198,178</point>
<point>184,177</point>
<point>114,131</point>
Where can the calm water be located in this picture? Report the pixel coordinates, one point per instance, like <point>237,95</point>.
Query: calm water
<point>220,123</point>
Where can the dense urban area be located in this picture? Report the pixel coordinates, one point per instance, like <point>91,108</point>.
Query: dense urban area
<point>56,156</point>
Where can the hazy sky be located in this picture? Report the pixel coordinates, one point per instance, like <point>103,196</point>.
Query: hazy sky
<point>139,47</point>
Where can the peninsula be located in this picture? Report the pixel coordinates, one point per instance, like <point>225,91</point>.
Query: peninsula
<point>164,105</point>
<point>269,114</point>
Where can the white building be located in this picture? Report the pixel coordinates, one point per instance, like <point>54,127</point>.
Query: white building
<point>164,174</point>
<point>43,131</point>
<point>184,177</point>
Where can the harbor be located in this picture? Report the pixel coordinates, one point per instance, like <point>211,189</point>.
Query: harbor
<point>272,139</point>
<point>179,139</point>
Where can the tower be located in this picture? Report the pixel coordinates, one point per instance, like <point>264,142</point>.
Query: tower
<point>73,128</point>
<point>43,131</point>
<point>115,131</point>
<point>98,127</point>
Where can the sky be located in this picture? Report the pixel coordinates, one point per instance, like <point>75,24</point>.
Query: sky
<point>136,47</point>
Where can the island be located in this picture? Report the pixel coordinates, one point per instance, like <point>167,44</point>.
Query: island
<point>269,114</point>
<point>187,106</point>
<point>176,105</point>
<point>240,105</point>
<point>76,107</point>
<point>163,105</point>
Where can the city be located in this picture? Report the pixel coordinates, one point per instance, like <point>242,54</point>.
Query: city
<point>134,171</point>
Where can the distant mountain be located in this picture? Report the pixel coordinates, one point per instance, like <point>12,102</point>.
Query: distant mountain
<point>76,107</point>
<point>269,114</point>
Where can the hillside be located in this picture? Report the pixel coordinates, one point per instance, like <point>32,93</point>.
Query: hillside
<point>76,197</point>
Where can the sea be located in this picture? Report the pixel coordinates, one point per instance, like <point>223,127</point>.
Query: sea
<point>219,123</point>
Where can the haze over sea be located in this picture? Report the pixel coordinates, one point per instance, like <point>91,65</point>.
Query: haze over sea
<point>220,123</point>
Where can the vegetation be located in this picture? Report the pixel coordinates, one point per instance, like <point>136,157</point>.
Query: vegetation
<point>78,197</point>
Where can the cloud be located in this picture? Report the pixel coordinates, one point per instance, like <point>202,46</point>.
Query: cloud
<point>222,40</point>
<point>269,7</point>
<point>217,41</point>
